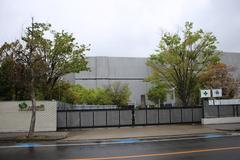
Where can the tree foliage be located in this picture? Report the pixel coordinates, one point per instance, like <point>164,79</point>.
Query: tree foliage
<point>43,61</point>
<point>158,89</point>
<point>180,59</point>
<point>11,81</point>
<point>220,76</point>
<point>51,59</point>
<point>116,94</point>
<point>157,93</point>
<point>119,93</point>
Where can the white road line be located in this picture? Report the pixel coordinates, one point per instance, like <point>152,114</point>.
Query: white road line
<point>29,145</point>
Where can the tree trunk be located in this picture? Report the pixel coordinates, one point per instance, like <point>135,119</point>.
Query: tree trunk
<point>33,99</point>
<point>184,98</point>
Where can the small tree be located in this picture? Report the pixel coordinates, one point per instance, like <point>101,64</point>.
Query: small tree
<point>157,93</point>
<point>119,93</point>
<point>220,76</point>
<point>158,90</point>
<point>180,59</point>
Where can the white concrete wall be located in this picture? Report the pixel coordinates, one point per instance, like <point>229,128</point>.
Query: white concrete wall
<point>220,120</point>
<point>13,120</point>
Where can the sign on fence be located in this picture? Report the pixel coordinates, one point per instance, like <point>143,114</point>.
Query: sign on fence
<point>217,92</point>
<point>205,93</point>
<point>224,102</point>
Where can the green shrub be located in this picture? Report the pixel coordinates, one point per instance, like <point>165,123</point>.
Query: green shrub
<point>118,93</point>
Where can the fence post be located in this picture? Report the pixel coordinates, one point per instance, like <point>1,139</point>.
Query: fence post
<point>66,118</point>
<point>203,114</point>
<point>181,115</point>
<point>170,116</point>
<point>106,119</point>
<point>234,114</point>
<point>218,111</point>
<point>192,115</point>
<point>133,117</point>
<point>146,116</point>
<point>158,117</point>
<point>93,118</point>
<point>237,110</point>
<point>119,121</point>
<point>80,119</point>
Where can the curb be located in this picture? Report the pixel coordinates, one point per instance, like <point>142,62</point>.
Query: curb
<point>229,130</point>
<point>38,138</point>
<point>142,138</point>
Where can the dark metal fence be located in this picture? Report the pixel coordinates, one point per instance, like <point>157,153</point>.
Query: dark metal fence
<point>219,111</point>
<point>127,117</point>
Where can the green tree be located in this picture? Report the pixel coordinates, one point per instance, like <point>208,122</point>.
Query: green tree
<point>63,56</point>
<point>45,60</point>
<point>180,59</point>
<point>119,93</point>
<point>101,97</point>
<point>7,76</point>
<point>158,89</point>
<point>157,93</point>
<point>220,76</point>
<point>11,79</point>
<point>28,53</point>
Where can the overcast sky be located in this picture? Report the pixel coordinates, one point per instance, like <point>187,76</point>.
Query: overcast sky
<point>129,28</point>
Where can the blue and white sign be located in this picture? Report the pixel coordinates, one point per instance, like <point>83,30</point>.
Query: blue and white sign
<point>205,93</point>
<point>216,92</point>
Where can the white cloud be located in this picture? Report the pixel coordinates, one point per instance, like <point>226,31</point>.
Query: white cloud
<point>123,27</point>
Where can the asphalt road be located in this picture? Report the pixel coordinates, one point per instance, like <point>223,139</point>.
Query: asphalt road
<point>207,147</point>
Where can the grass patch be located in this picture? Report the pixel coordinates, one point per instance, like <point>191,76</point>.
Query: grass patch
<point>35,138</point>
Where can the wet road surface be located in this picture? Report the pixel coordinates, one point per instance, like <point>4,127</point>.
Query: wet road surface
<point>207,147</point>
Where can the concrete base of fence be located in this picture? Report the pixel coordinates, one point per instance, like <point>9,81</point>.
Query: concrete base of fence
<point>220,120</point>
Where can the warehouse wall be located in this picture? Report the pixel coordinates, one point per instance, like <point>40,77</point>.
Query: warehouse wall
<point>107,70</point>
<point>130,70</point>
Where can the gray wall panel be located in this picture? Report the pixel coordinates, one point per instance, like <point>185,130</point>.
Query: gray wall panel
<point>187,115</point>
<point>164,116</point>
<point>152,116</point>
<point>210,112</point>
<point>140,117</point>
<point>61,119</point>
<point>238,110</point>
<point>126,117</point>
<point>197,114</point>
<point>226,111</point>
<point>113,118</point>
<point>175,115</point>
<point>73,119</point>
<point>100,118</point>
<point>87,119</point>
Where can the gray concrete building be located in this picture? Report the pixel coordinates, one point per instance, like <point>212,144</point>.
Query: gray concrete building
<point>129,70</point>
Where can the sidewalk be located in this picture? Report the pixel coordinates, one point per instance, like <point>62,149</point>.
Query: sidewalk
<point>141,132</point>
<point>137,132</point>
